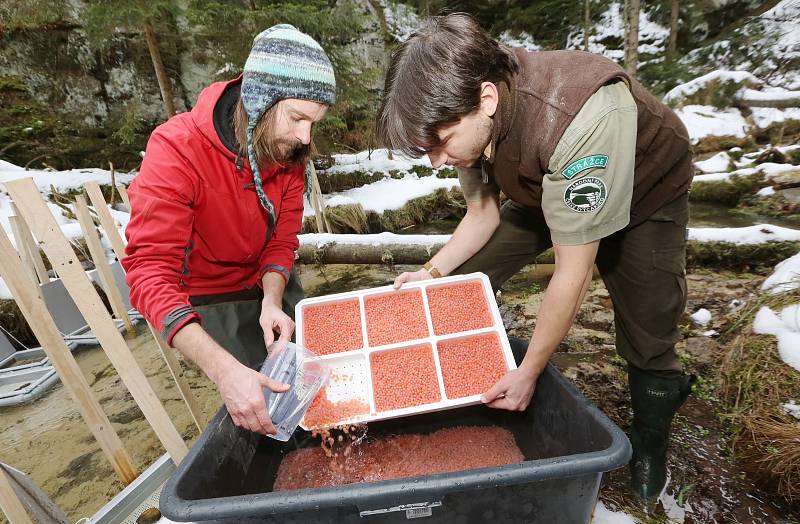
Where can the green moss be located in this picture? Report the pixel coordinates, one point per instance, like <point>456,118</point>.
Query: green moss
<point>12,83</point>
<point>421,171</point>
<point>770,206</point>
<point>793,157</point>
<point>728,192</point>
<point>335,182</point>
<point>438,205</point>
<point>447,172</point>
<point>352,218</point>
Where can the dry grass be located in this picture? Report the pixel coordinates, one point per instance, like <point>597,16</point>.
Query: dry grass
<point>438,205</point>
<point>352,218</point>
<point>348,218</point>
<point>714,144</point>
<point>754,381</point>
<point>12,321</point>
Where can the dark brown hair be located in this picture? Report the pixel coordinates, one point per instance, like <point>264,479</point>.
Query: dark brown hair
<point>434,80</point>
<point>264,141</point>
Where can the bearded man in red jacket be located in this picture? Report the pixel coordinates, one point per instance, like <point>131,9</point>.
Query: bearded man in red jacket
<point>215,213</point>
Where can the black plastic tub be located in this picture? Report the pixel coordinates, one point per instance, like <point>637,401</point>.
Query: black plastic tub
<point>567,442</point>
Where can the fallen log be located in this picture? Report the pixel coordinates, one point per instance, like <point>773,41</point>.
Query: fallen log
<point>722,255</point>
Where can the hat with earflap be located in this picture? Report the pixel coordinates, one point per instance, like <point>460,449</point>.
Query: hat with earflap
<point>283,63</point>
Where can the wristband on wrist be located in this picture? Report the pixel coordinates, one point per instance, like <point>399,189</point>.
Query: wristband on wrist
<point>432,271</point>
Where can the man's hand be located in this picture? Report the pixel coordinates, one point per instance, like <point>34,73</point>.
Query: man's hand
<point>273,319</point>
<point>241,389</point>
<point>512,392</point>
<point>401,279</point>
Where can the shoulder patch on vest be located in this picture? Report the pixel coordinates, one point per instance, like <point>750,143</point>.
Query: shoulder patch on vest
<point>582,164</point>
<point>585,195</point>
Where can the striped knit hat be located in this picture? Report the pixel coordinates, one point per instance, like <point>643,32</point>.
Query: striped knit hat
<point>283,63</point>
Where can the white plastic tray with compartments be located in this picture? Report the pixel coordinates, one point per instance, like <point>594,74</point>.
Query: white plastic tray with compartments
<point>351,373</point>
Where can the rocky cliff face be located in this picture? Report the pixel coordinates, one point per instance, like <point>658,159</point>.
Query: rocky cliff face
<point>58,89</point>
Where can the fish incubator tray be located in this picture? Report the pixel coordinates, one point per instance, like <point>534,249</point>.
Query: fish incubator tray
<point>451,322</point>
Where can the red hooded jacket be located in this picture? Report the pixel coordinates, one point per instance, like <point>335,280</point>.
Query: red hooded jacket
<point>197,226</point>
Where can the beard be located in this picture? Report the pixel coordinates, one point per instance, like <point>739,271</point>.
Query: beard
<point>483,137</point>
<point>290,151</point>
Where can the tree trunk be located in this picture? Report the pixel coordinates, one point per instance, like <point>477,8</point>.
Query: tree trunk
<point>632,36</point>
<point>251,4</point>
<point>161,72</point>
<point>673,27</point>
<point>586,25</point>
<point>698,253</point>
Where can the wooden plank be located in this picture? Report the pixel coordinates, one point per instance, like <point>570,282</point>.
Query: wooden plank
<point>318,202</point>
<point>22,247</point>
<point>101,263</point>
<point>34,499</point>
<point>44,226</point>
<point>106,220</point>
<point>315,200</point>
<point>197,413</point>
<point>123,193</point>
<point>9,502</point>
<point>30,302</point>
<point>32,247</point>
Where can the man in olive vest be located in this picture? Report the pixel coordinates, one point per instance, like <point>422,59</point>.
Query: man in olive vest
<point>593,165</point>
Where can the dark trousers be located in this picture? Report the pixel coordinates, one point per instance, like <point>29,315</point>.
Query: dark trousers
<point>232,319</point>
<point>643,267</point>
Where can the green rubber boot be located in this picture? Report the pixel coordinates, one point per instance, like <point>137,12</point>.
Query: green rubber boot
<point>655,399</point>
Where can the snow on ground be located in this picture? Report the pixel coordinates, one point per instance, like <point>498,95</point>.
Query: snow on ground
<point>786,324</point>
<point>716,164</point>
<point>791,408</point>
<point>377,160</point>
<point>773,38</point>
<point>702,121</point>
<point>763,117</point>
<point>785,327</point>
<point>389,193</point>
<point>678,93</point>
<point>744,235</point>
<point>652,36</point>
<point>766,191</point>
<point>603,515</point>
<point>785,277</point>
<point>768,169</point>
<point>702,317</point>
<point>62,180</point>
<point>780,23</point>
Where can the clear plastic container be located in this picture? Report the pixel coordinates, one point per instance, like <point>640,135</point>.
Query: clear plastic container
<point>306,375</point>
